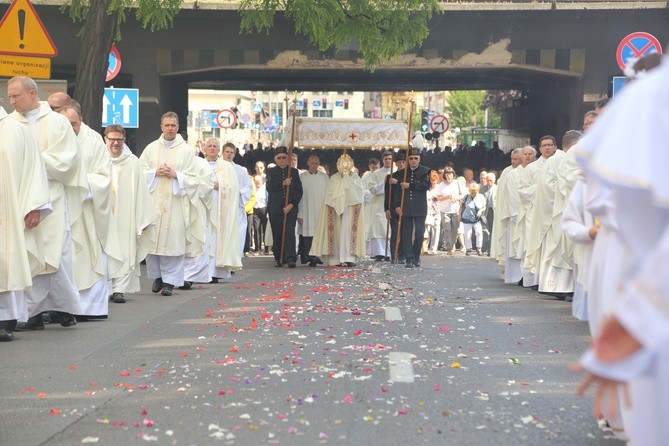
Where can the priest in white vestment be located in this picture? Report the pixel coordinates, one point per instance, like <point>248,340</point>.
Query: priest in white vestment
<point>225,253</point>
<point>53,288</point>
<point>171,172</point>
<point>339,238</point>
<point>25,191</point>
<point>631,345</point>
<point>314,185</point>
<point>196,266</point>
<point>245,190</point>
<point>527,187</point>
<point>97,256</point>
<point>377,224</point>
<point>505,209</point>
<point>581,229</point>
<point>540,219</point>
<point>132,215</point>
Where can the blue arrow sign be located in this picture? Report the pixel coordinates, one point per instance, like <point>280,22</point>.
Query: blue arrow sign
<point>121,106</point>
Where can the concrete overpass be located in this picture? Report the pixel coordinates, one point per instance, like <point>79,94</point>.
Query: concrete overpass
<point>561,52</point>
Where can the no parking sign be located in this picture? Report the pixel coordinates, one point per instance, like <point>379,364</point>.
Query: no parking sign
<point>637,44</point>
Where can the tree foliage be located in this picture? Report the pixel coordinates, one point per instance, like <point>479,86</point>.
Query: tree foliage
<point>467,109</point>
<point>383,29</point>
<point>101,26</point>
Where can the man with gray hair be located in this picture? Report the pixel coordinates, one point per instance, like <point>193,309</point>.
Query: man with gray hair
<point>506,207</point>
<point>528,155</point>
<point>53,288</point>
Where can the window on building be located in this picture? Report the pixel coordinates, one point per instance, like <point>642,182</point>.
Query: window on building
<point>322,113</point>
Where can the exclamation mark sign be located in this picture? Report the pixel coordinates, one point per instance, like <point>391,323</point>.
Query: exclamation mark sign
<point>22,26</point>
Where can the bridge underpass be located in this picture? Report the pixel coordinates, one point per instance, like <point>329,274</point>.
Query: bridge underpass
<point>552,92</point>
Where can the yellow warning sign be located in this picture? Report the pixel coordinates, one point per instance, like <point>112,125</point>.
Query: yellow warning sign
<point>23,34</point>
<point>35,67</point>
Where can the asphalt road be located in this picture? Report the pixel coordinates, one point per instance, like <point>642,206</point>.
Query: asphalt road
<point>372,355</point>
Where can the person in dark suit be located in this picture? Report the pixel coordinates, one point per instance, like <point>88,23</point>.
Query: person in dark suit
<point>391,188</point>
<point>411,205</point>
<point>280,182</point>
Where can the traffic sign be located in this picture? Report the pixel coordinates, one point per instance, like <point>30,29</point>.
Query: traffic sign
<point>121,106</point>
<point>212,121</point>
<point>636,45</point>
<point>226,118</point>
<point>35,67</point>
<point>257,107</point>
<point>339,103</point>
<point>316,104</point>
<point>617,84</point>
<point>114,65</point>
<point>440,123</point>
<point>22,33</point>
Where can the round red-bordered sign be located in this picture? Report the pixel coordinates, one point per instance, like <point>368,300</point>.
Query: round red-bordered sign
<point>226,118</point>
<point>634,45</point>
<point>440,123</point>
<point>114,66</point>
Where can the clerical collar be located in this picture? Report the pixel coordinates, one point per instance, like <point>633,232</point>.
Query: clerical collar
<point>169,144</point>
<point>32,115</point>
<point>313,173</point>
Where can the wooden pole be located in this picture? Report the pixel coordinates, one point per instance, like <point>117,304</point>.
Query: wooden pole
<point>290,160</point>
<point>390,201</point>
<point>406,169</point>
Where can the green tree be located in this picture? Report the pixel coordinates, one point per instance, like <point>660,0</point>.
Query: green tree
<point>383,29</point>
<point>101,25</point>
<point>466,109</point>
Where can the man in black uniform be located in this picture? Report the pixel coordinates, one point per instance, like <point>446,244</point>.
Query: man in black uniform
<point>391,189</point>
<point>278,183</point>
<point>414,208</point>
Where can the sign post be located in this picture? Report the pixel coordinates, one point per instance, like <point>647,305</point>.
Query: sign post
<point>121,106</point>
<point>226,118</point>
<point>440,124</point>
<point>636,45</point>
<point>25,45</point>
<point>114,65</point>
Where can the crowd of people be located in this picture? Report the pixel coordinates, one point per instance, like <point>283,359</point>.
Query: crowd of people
<point>93,211</point>
<point>81,212</point>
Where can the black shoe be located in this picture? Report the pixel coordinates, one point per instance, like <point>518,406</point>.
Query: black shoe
<point>291,264</point>
<point>34,323</point>
<point>386,258</point>
<point>157,285</point>
<point>534,287</point>
<point>117,298</point>
<point>417,263</point>
<point>278,264</point>
<point>409,264</point>
<point>82,318</point>
<point>6,335</point>
<point>313,263</point>
<point>67,319</point>
<point>214,280</point>
<point>468,253</point>
<point>187,285</point>
<point>520,282</point>
<point>167,290</point>
<point>378,258</point>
